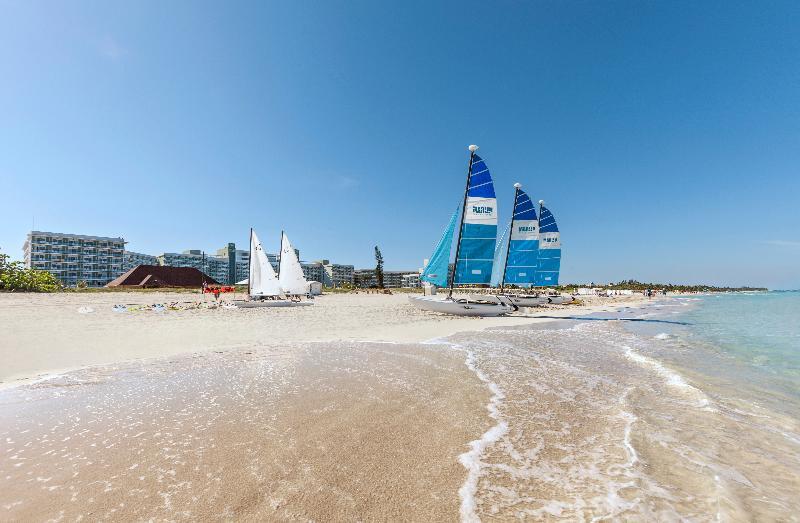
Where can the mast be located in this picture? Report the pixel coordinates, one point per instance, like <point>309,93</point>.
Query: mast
<point>535,277</point>
<point>249,263</point>
<point>280,256</point>
<point>511,233</point>
<point>472,149</point>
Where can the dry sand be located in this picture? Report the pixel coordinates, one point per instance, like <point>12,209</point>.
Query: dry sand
<point>319,413</point>
<point>45,333</point>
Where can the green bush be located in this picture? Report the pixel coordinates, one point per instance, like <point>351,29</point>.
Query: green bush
<point>15,277</point>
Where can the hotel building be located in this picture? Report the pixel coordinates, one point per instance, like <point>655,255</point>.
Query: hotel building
<point>75,258</point>
<point>132,259</point>
<point>365,278</point>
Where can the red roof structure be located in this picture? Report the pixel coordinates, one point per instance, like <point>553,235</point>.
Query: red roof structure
<point>148,276</point>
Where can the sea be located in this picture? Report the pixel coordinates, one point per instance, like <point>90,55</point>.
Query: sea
<point>685,408</point>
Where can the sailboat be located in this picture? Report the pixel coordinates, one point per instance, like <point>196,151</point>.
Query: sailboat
<point>263,287</point>
<point>290,273</point>
<point>475,246</point>
<point>549,260</point>
<point>522,251</point>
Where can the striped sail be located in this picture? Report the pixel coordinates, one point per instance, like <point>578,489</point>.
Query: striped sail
<point>549,249</point>
<point>435,271</point>
<point>523,250</point>
<point>479,230</point>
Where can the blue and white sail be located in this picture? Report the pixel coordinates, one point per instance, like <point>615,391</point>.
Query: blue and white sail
<point>435,272</point>
<point>523,250</point>
<point>479,229</point>
<point>549,248</point>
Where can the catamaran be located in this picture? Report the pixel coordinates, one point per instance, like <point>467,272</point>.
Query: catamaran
<point>522,251</point>
<point>264,289</point>
<point>475,245</point>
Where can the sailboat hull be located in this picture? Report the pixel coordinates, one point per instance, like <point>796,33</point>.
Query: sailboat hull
<point>253,304</point>
<point>460,307</point>
<point>528,301</point>
<point>561,299</point>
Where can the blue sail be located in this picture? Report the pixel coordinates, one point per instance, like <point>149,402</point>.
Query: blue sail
<point>479,230</point>
<point>436,270</point>
<point>523,251</point>
<point>549,249</point>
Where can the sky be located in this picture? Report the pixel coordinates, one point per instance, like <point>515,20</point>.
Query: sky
<point>663,135</point>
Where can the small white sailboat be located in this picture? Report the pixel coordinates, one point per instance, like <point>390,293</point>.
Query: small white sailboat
<point>263,287</point>
<point>477,237</point>
<point>292,281</point>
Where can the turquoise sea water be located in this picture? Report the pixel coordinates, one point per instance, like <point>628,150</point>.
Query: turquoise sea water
<point>758,329</point>
<point>748,341</point>
<point>685,408</point>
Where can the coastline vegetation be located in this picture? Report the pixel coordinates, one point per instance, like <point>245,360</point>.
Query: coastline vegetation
<point>14,276</point>
<point>669,287</point>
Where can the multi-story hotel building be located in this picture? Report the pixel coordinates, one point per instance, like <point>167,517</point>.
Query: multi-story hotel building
<point>213,266</point>
<point>391,279</point>
<point>329,274</point>
<point>132,259</point>
<point>75,258</point>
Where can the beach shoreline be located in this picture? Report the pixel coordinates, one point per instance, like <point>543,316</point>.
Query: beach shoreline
<point>365,408</point>
<point>103,337</point>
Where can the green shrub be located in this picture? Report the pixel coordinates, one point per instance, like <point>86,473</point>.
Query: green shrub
<point>15,277</point>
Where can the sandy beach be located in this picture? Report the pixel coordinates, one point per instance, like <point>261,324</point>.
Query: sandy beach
<point>362,407</point>
<point>45,333</point>
<point>324,412</point>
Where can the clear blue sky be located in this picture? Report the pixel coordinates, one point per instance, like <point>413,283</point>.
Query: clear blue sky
<point>665,136</point>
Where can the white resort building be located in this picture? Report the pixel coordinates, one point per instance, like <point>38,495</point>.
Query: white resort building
<point>75,258</point>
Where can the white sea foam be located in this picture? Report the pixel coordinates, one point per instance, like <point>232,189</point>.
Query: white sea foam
<point>472,458</point>
<point>671,377</point>
<point>662,336</point>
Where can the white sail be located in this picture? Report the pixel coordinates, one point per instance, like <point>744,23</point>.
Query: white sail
<point>291,273</point>
<point>263,281</point>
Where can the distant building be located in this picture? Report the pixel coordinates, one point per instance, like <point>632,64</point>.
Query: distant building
<point>365,278</point>
<point>215,267</point>
<point>75,258</point>
<point>411,280</point>
<point>238,262</point>
<point>98,260</point>
<point>314,271</point>
<point>329,274</point>
<point>133,259</point>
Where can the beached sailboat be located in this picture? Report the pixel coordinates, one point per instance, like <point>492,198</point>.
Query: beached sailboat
<point>549,260</point>
<point>263,287</point>
<point>475,246</point>
<point>522,251</point>
<point>290,273</point>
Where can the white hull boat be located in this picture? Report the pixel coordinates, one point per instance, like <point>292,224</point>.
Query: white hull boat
<point>462,306</point>
<point>528,301</point>
<point>561,299</point>
<point>252,304</point>
<point>265,289</point>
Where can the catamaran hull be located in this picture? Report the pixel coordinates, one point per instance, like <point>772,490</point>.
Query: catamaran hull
<point>560,300</point>
<point>270,303</point>
<point>467,308</point>
<point>528,301</point>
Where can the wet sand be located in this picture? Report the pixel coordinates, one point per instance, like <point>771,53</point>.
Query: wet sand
<point>345,431</point>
